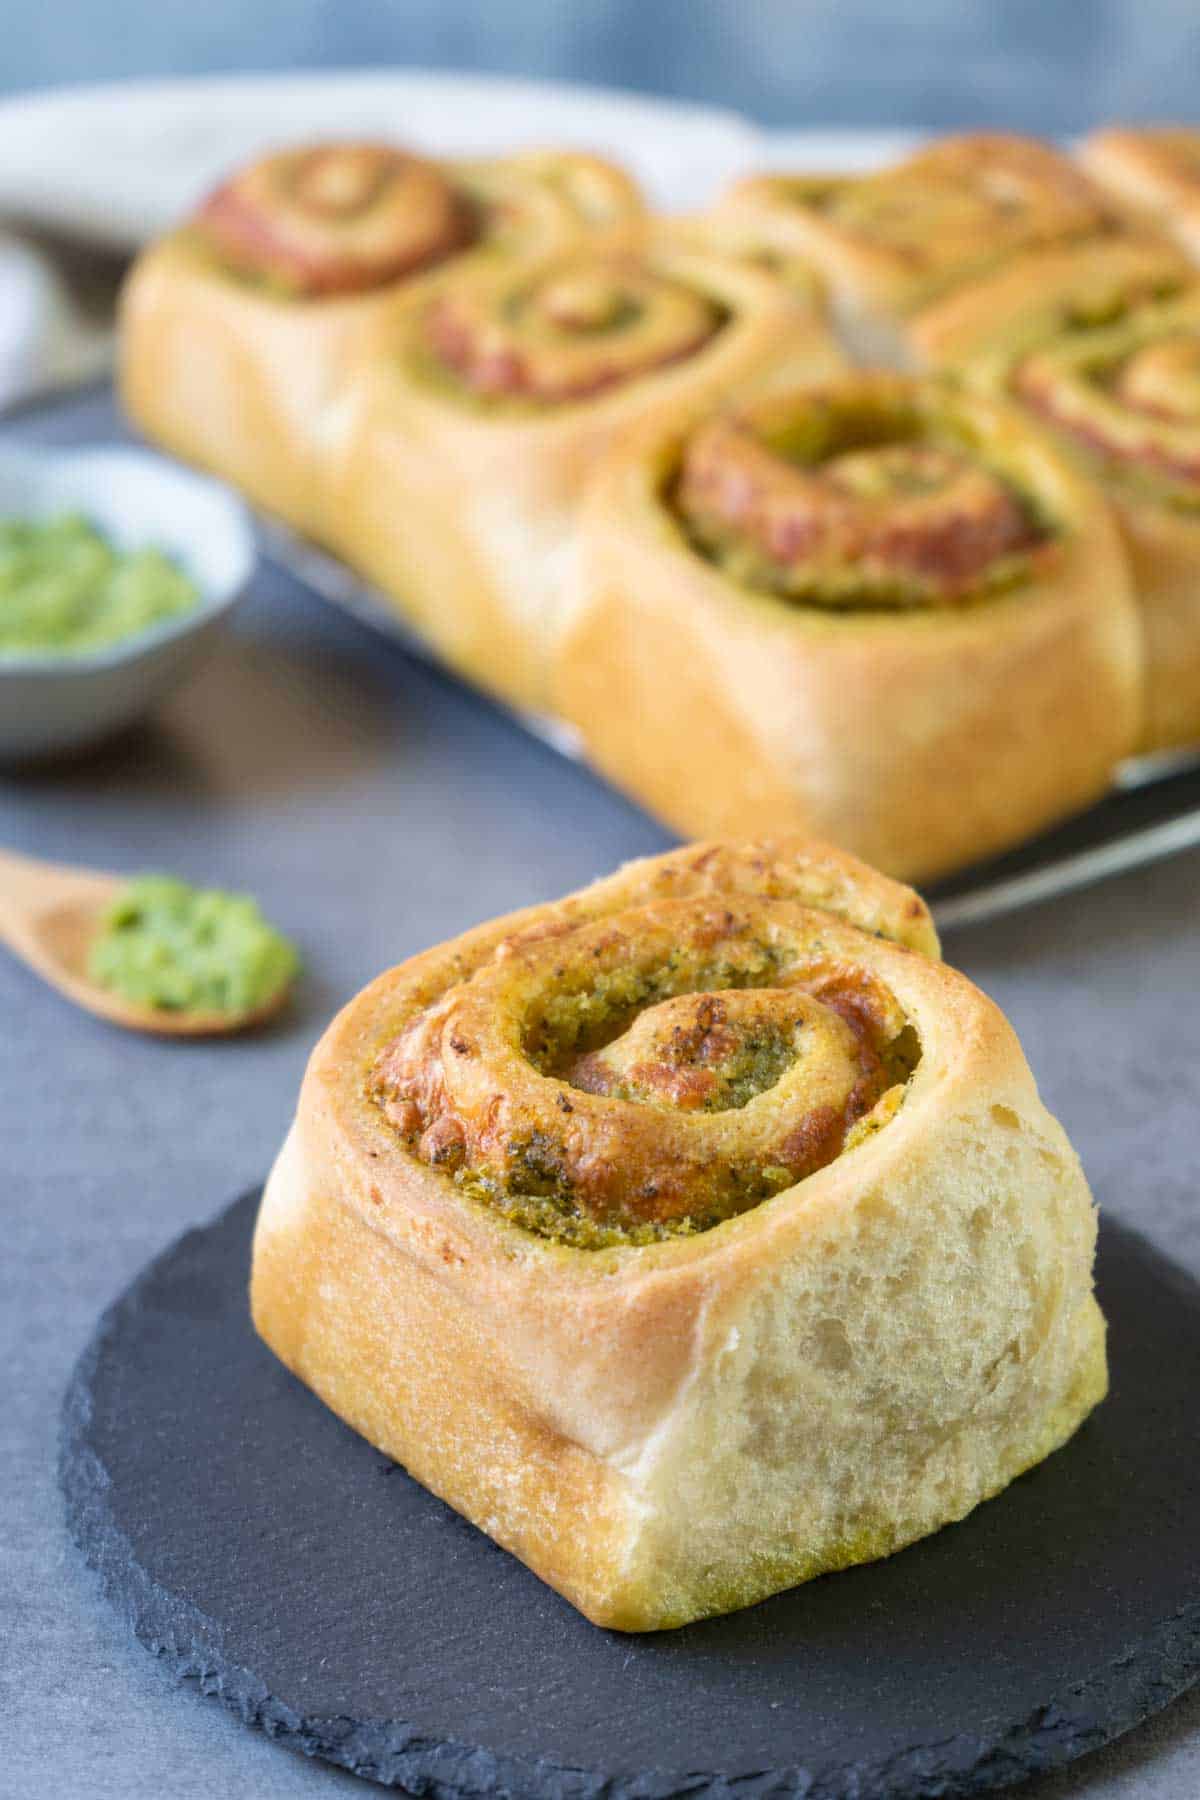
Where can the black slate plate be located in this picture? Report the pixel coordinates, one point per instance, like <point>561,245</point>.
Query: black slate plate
<point>253,1540</point>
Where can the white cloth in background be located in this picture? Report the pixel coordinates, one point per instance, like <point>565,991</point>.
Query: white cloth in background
<point>44,340</point>
<point>117,164</point>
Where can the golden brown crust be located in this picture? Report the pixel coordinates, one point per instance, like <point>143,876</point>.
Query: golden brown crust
<point>464,506</point>
<point>239,376</point>
<point>1155,168</point>
<point>587,326</point>
<point>906,523</point>
<point>592,192</point>
<point>680,1428</point>
<point>340,218</point>
<point>1092,282</point>
<point>648,1074</point>
<point>888,242</point>
<point>1101,346</point>
<point>921,740</point>
<point>749,235</point>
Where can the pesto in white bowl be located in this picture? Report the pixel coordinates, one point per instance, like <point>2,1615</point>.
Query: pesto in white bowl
<point>116,571</point>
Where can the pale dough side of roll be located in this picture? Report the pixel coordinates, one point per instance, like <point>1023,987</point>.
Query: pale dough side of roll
<point>686,1427</point>
<point>233,378</point>
<point>1164,554</point>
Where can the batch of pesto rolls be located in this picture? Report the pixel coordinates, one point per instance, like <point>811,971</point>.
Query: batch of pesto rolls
<point>867,507</point>
<point>703,1231</point>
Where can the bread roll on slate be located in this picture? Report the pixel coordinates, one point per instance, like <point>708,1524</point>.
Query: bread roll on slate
<point>694,1235</point>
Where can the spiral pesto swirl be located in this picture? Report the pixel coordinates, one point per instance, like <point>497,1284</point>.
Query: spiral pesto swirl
<point>336,218</point>
<point>873,492</point>
<point>1128,393</point>
<point>589,191</point>
<point>656,1067</point>
<point>954,209</point>
<point>577,328</point>
<point>967,196</point>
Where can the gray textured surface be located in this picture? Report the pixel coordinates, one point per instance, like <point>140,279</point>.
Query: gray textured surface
<point>409,1649</point>
<point>375,807</point>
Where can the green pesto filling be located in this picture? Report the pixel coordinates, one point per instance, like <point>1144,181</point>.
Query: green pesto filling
<point>1142,480</point>
<point>753,1066</point>
<point>820,433</point>
<point>65,590</point>
<point>901,1056</point>
<point>537,1193</point>
<point>1109,306</point>
<point>572,1021</point>
<point>1139,476</point>
<point>545,1204</point>
<point>539,1196</point>
<point>847,590</point>
<point>1098,333</point>
<point>184,949</point>
<point>423,365</point>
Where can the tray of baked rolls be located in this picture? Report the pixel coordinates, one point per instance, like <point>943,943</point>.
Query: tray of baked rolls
<point>701,1233</point>
<point>865,505</point>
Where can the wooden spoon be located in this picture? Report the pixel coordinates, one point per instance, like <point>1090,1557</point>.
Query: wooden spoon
<point>50,914</point>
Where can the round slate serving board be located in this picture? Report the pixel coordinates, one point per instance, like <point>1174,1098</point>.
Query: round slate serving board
<point>262,1547</point>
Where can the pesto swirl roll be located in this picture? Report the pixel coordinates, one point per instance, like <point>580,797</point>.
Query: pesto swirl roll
<point>1103,348</point>
<point>239,329</point>
<point>336,218</point>
<point>650,1073</point>
<point>902,620</point>
<point>1129,391</point>
<point>802,502</point>
<point>467,440</point>
<point>693,1235</point>
<point>571,331</point>
<point>889,242</point>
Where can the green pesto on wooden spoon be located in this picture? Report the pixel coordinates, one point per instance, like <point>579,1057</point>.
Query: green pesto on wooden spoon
<point>152,954</point>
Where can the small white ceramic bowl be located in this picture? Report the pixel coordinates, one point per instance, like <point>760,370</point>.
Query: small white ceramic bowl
<point>54,703</point>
